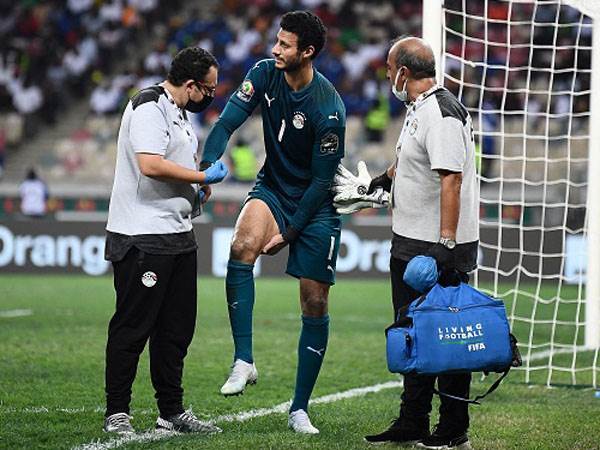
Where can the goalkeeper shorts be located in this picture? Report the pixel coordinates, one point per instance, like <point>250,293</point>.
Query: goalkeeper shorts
<point>313,254</point>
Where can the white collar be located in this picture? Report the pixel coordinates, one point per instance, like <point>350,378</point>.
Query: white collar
<point>169,96</point>
<point>423,95</point>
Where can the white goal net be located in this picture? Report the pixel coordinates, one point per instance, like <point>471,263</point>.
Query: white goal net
<point>524,71</point>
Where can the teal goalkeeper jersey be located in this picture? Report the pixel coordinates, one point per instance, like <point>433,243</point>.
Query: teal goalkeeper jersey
<point>303,132</point>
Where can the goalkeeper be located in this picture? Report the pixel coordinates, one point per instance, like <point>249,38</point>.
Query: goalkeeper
<point>434,197</point>
<point>304,123</point>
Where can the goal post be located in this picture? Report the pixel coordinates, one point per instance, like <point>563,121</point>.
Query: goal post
<point>592,310</point>
<point>528,71</point>
<point>432,31</point>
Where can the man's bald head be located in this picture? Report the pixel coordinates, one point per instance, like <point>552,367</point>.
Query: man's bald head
<point>414,53</point>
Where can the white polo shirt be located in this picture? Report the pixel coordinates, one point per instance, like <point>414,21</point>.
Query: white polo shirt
<point>437,134</point>
<point>152,123</point>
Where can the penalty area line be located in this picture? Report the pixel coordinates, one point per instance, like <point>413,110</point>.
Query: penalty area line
<point>151,436</point>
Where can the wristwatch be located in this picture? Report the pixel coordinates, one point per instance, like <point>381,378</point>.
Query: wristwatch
<point>449,243</point>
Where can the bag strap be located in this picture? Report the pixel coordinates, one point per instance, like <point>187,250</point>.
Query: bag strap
<point>517,361</point>
<point>475,401</point>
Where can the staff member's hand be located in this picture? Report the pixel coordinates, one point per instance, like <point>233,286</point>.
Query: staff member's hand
<point>204,193</point>
<point>444,257</point>
<point>215,173</point>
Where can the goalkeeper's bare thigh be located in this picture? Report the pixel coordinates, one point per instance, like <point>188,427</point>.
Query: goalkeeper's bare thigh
<point>254,228</point>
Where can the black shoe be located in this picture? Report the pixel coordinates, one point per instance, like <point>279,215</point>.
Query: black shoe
<point>186,422</point>
<point>442,441</point>
<point>398,433</point>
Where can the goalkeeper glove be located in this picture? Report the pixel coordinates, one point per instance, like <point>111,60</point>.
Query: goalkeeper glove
<point>352,207</point>
<point>349,188</point>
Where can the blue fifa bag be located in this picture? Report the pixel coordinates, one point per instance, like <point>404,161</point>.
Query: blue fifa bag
<point>450,330</point>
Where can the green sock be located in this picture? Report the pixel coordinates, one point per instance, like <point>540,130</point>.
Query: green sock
<point>311,351</point>
<point>239,285</point>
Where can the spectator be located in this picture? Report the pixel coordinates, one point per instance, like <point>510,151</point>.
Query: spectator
<point>159,60</point>
<point>34,195</point>
<point>243,162</point>
<point>377,119</point>
<point>106,98</point>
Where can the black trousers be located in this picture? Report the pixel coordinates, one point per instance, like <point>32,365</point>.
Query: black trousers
<point>416,398</point>
<point>156,300</point>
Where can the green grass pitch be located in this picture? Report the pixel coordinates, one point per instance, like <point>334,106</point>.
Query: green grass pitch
<point>52,374</point>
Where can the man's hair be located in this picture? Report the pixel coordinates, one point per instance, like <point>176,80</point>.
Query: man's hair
<point>191,63</point>
<point>420,64</point>
<point>308,27</point>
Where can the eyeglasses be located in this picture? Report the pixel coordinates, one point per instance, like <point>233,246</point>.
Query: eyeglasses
<point>210,91</point>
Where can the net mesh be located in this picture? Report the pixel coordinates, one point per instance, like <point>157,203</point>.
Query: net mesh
<point>523,69</point>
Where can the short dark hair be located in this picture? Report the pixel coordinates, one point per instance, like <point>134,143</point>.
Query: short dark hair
<point>421,65</point>
<point>308,27</point>
<point>191,63</point>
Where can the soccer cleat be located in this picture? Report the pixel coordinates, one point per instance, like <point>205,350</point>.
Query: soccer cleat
<point>118,423</point>
<point>442,441</point>
<point>398,433</point>
<point>300,423</point>
<point>242,373</point>
<point>186,422</point>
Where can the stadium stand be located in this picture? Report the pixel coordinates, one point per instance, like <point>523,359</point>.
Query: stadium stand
<point>86,75</point>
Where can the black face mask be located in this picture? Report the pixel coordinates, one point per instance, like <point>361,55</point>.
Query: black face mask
<point>196,107</point>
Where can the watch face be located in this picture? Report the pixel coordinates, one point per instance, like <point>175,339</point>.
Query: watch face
<point>448,243</point>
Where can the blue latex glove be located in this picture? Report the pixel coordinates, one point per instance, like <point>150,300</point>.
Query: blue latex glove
<point>215,173</point>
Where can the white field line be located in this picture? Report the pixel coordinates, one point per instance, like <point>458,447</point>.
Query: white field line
<point>283,407</point>
<point>150,436</point>
<point>78,410</point>
<point>137,438</point>
<point>259,412</point>
<point>557,351</point>
<point>9,313</point>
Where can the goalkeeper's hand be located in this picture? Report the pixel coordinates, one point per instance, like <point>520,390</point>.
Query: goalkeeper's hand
<point>351,192</point>
<point>350,188</point>
<point>352,207</point>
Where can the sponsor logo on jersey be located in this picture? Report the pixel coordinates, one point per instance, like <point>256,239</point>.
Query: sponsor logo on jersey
<point>330,144</point>
<point>149,279</point>
<point>298,120</point>
<point>245,91</point>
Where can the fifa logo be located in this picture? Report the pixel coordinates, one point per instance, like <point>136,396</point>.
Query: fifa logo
<point>477,346</point>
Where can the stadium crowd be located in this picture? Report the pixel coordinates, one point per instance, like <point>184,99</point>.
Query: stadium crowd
<point>241,33</point>
<point>50,49</point>
<point>77,47</point>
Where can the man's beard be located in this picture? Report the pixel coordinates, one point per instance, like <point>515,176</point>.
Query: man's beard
<point>292,66</point>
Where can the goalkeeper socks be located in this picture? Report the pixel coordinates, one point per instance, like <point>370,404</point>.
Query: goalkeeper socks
<point>311,351</point>
<point>239,285</point>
